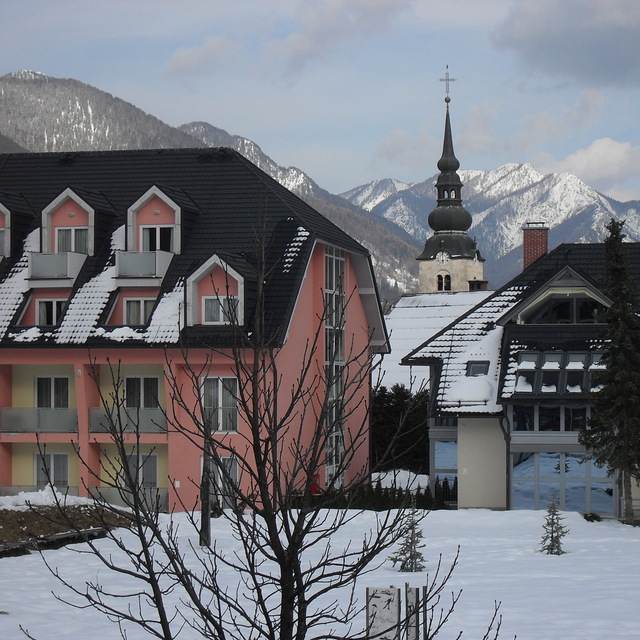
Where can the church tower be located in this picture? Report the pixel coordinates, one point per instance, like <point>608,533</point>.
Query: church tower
<point>450,260</point>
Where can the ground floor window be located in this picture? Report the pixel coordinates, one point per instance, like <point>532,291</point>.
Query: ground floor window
<point>144,469</point>
<point>578,484</point>
<point>52,468</point>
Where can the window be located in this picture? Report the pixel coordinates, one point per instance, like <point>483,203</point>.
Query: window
<point>220,403</point>
<point>543,417</point>
<point>52,468</point>
<point>137,311</point>
<point>52,393</point>
<point>444,283</point>
<point>72,239</point>
<point>49,312</point>
<point>225,478</point>
<point>561,309</point>
<point>220,309</point>
<point>479,368</point>
<point>143,468</point>
<point>334,363</point>
<point>556,372</point>
<point>157,238</point>
<point>2,241</point>
<point>141,393</point>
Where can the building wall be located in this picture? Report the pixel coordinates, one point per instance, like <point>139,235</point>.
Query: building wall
<point>461,272</point>
<point>482,464</point>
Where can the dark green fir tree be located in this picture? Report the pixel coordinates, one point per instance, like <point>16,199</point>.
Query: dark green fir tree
<point>613,433</point>
<point>409,555</point>
<point>554,530</point>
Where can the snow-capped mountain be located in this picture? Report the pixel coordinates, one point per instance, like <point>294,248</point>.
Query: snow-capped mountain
<point>40,113</point>
<point>500,202</point>
<point>389,217</point>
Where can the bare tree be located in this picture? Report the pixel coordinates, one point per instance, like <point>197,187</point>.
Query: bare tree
<point>264,474</point>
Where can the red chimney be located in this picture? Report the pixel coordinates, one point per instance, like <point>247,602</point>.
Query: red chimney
<point>535,242</point>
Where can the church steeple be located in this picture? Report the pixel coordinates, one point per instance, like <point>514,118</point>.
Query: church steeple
<point>450,260</point>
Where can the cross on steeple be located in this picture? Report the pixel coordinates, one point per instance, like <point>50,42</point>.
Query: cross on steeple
<point>447,79</point>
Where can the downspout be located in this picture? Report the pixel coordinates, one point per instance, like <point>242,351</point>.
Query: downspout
<point>506,434</point>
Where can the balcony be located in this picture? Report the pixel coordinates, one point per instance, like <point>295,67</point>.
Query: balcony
<point>55,269</point>
<point>144,265</point>
<point>31,420</point>
<point>133,420</point>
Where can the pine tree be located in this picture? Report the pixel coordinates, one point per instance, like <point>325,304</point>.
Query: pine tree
<point>613,434</point>
<point>409,555</point>
<point>554,530</point>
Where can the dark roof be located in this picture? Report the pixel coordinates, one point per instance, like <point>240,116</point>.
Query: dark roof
<point>229,208</point>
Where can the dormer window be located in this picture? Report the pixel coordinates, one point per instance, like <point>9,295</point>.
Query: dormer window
<point>5,229</point>
<point>215,294</point>
<point>564,309</point>
<point>153,223</point>
<point>67,225</point>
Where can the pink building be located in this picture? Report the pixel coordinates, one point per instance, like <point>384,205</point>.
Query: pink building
<point>129,280</point>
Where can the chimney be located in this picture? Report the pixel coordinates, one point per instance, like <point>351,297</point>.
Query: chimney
<point>535,242</point>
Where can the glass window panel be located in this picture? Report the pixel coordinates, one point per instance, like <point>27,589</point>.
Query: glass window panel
<point>60,470</point>
<point>550,381</point>
<point>132,312</point>
<point>523,418</point>
<point>574,381</point>
<point>147,309</point>
<point>446,455</point>
<point>527,360</point>
<point>524,465</point>
<point>149,239</point>
<point>43,393</point>
<point>81,240</point>
<point>589,310</point>
<point>598,473</point>
<point>43,462</point>
<point>548,418</point>
<point>575,418</point>
<point>133,392</point>
<point>61,393</point>
<point>229,419</point>
<point>523,486</point>
<point>165,241</point>
<point>2,240</point>
<point>150,386</point>
<point>575,496</point>
<point>575,465</point>
<point>601,498</point>
<point>64,240</point>
<point>525,381</point>
<point>149,471</point>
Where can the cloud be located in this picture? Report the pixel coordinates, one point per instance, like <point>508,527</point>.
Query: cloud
<point>477,133</point>
<point>201,58</point>
<point>325,24</point>
<point>547,126</point>
<point>606,164</point>
<point>588,41</point>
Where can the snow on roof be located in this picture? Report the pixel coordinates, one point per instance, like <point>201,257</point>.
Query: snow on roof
<point>167,319</point>
<point>414,320</point>
<point>16,284</point>
<point>293,248</point>
<point>474,337</point>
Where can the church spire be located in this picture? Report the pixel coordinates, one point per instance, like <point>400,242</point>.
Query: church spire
<point>450,255</point>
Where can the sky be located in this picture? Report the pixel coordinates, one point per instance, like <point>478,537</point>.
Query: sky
<point>350,90</point>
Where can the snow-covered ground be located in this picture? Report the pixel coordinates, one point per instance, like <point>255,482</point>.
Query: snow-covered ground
<point>591,592</point>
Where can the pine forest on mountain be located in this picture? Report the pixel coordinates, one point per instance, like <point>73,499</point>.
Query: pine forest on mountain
<point>42,114</point>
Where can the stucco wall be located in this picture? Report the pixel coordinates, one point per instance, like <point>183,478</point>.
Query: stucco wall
<point>481,464</point>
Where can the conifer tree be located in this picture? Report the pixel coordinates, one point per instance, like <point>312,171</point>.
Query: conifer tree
<point>613,434</point>
<point>409,555</point>
<point>554,530</point>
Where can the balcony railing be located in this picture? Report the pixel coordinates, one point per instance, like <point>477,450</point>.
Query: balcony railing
<point>142,264</point>
<point>30,420</point>
<point>47,266</point>
<point>130,420</point>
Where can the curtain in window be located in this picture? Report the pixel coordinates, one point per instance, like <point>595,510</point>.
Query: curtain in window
<point>64,240</point>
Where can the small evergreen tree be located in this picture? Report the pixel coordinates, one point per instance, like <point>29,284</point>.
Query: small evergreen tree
<point>409,555</point>
<point>554,530</point>
<point>613,434</point>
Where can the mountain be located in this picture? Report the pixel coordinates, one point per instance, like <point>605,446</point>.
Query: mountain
<point>41,113</point>
<point>389,217</point>
<point>500,201</point>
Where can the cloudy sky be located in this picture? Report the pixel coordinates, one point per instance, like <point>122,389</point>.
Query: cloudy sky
<point>349,90</point>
